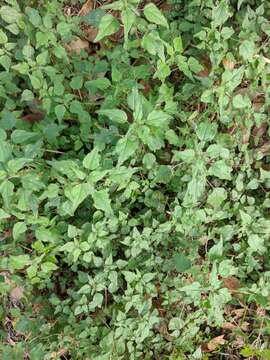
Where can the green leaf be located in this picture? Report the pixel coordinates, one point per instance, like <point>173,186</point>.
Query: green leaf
<point>28,51</point>
<point>19,262</point>
<point>247,50</point>
<point>94,17</point>
<point>35,81</point>
<point>78,194</point>
<point>187,156</point>
<point>101,84</point>
<point>92,160</point>
<point>24,137</point>
<point>128,19</point>
<point>9,14</point>
<point>4,215</point>
<point>178,44</point>
<point>27,95</point>
<point>181,262</point>
<point>48,267</point>
<point>102,200</point>
<point>6,190</point>
<point>221,13</point>
<point>108,26</point>
<point>5,61</point>
<point>221,170</point>
<point>76,82</point>
<point>256,243</point>
<point>126,147</point>
<point>217,196</point>
<point>3,37</point>
<point>158,118</point>
<point>116,115</point>
<point>154,15</point>
<point>60,111</point>
<point>18,229</point>
<point>206,131</point>
<point>241,102</point>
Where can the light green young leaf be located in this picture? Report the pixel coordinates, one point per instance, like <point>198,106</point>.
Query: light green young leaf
<point>116,115</point>
<point>158,118</point>
<point>5,61</point>
<point>102,200</point>
<point>19,262</point>
<point>128,19</point>
<point>154,15</point>
<point>60,111</point>
<point>18,229</point>
<point>206,131</point>
<point>108,26</point>
<point>126,147</point>
<point>247,50</point>
<point>217,196</point>
<point>3,37</point>
<point>241,102</point>
<point>78,194</point>
<point>221,170</point>
<point>9,14</point>
<point>221,13</point>
<point>92,160</point>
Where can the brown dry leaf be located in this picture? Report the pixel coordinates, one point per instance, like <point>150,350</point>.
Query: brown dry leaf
<point>58,354</point>
<point>204,73</point>
<point>257,105</point>
<point>163,330</point>
<point>213,344</point>
<point>259,131</point>
<point>231,283</point>
<point>228,326</point>
<point>239,342</point>
<point>90,33</point>
<point>238,312</point>
<point>216,342</point>
<point>260,311</point>
<point>77,45</point>
<point>16,294</point>
<point>264,149</point>
<point>228,64</point>
<point>86,8</point>
<point>244,326</point>
<point>245,136</point>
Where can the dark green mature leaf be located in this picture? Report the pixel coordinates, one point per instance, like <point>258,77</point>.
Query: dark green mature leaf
<point>181,262</point>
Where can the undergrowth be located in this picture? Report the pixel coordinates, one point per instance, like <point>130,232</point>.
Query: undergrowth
<point>134,179</point>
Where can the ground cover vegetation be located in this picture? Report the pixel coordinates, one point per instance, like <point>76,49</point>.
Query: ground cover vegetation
<point>134,179</point>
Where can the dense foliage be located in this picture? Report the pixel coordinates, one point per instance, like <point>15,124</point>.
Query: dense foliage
<point>134,177</point>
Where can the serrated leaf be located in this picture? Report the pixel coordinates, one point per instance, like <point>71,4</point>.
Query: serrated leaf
<point>154,15</point>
